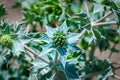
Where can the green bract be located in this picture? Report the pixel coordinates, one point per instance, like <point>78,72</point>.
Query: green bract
<point>2,10</point>
<point>11,36</point>
<point>59,39</point>
<point>6,40</point>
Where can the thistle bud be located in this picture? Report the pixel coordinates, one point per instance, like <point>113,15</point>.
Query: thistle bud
<point>59,39</point>
<point>6,40</point>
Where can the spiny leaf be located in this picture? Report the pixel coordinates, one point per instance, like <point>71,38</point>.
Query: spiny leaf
<point>2,10</point>
<point>97,34</point>
<point>60,75</point>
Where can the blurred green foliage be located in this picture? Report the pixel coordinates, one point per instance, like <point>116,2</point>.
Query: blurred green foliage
<point>77,26</point>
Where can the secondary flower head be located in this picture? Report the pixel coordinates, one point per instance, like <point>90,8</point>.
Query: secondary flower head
<point>6,40</point>
<point>60,39</point>
<point>11,36</point>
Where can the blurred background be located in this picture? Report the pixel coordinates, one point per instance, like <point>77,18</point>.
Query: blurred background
<point>15,15</point>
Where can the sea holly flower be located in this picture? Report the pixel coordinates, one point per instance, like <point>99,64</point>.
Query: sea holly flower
<point>58,40</point>
<point>11,37</point>
<point>6,40</point>
<point>61,39</point>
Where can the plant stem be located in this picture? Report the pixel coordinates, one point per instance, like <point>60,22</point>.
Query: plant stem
<point>56,56</point>
<point>82,33</point>
<point>116,62</point>
<point>102,18</point>
<point>94,74</point>
<point>103,23</point>
<point>111,52</point>
<point>116,68</point>
<point>90,75</point>
<point>87,9</point>
<point>27,29</point>
<point>117,77</point>
<point>91,54</point>
<point>86,25</point>
<point>36,54</point>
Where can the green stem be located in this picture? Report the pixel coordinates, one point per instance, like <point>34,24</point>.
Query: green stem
<point>36,54</point>
<point>56,56</point>
<point>82,33</point>
<point>91,54</point>
<point>103,23</point>
<point>111,52</point>
<point>86,8</point>
<point>90,75</point>
<point>102,18</point>
<point>117,77</point>
<point>34,28</point>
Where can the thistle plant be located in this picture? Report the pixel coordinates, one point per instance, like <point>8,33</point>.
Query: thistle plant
<point>66,49</point>
<point>6,40</point>
<point>59,39</point>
